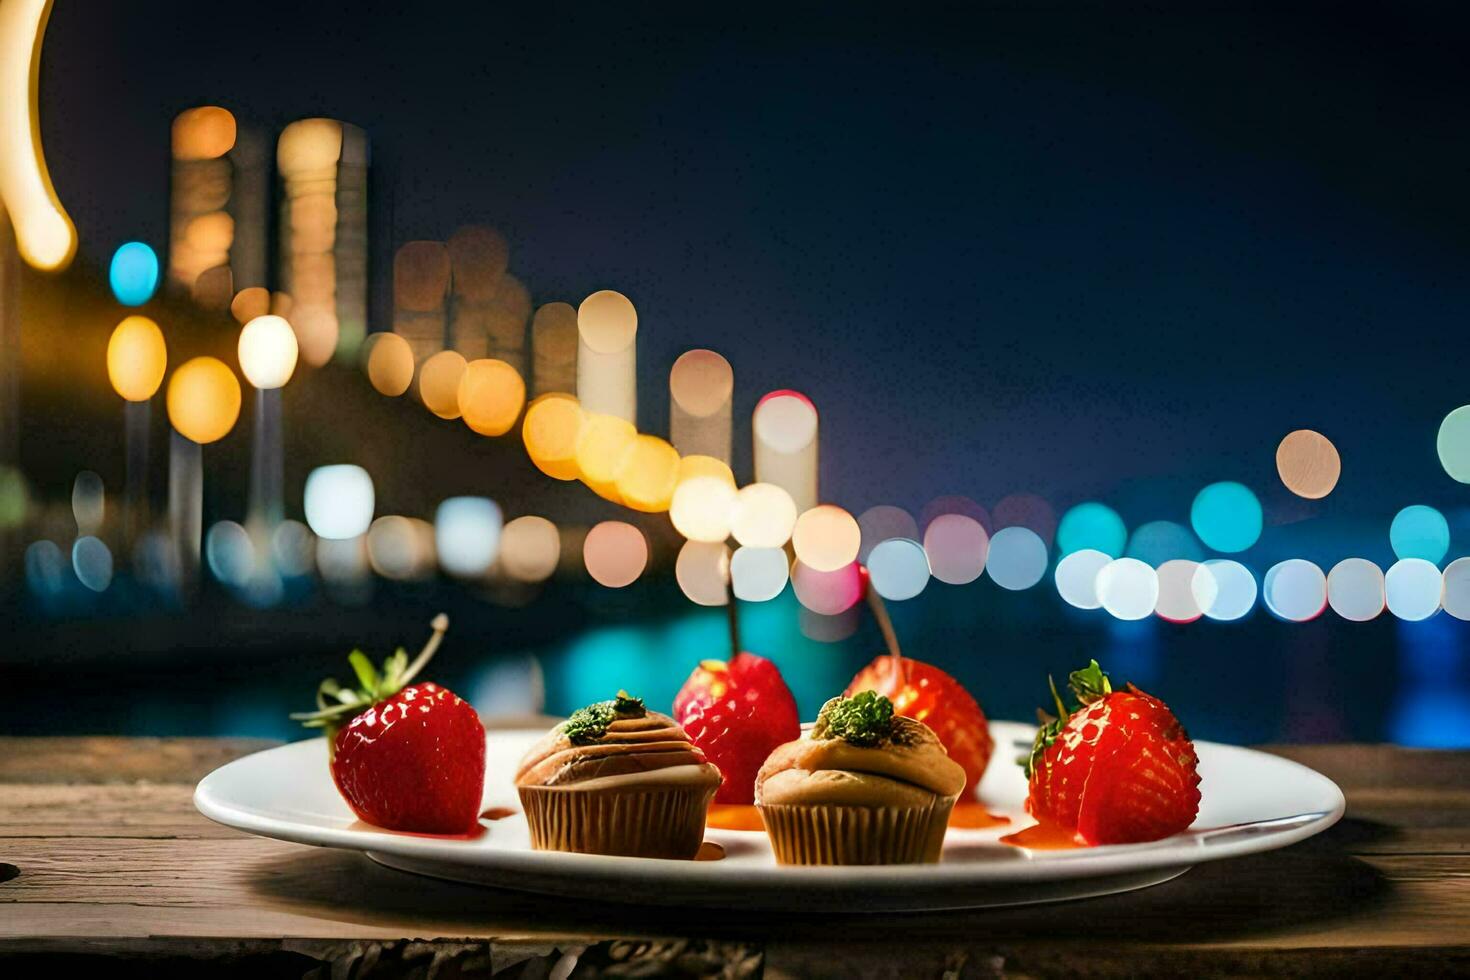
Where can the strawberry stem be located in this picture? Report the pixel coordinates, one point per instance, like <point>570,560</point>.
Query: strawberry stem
<point>335,702</point>
<point>897,663</point>
<point>732,616</point>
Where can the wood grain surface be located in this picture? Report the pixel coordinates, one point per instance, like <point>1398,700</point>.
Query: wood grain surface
<point>104,864</point>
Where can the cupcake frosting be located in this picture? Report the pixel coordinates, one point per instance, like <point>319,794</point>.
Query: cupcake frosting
<point>618,738</point>
<point>856,751</point>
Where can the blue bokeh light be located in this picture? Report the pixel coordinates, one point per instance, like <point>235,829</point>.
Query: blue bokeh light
<point>1159,541</point>
<point>1226,516</point>
<point>1092,525</point>
<point>133,274</point>
<point>1420,531</point>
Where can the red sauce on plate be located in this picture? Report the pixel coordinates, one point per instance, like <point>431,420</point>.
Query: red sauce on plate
<point>974,816</point>
<point>734,816</point>
<point>1043,837</point>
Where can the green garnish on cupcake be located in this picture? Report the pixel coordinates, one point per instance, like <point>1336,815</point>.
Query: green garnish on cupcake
<point>592,722</point>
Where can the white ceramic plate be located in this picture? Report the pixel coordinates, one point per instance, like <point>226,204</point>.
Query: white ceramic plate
<point>1251,802</point>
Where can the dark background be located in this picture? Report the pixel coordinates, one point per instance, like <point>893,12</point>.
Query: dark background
<point>1083,251</point>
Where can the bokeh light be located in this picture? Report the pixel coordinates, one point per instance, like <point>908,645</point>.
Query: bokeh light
<point>698,465</point>
<point>702,508</point>
<point>1295,590</point>
<point>229,553</point>
<point>955,504</point>
<point>1159,541</point>
<point>1413,588</point>
<point>607,331</point>
<point>898,569</point>
<point>1457,588</point>
<point>15,498</point>
<point>339,501</point>
<point>401,548</point>
<point>551,430</point>
<point>880,523</point>
<point>136,358</point>
<point>203,399</point>
<point>607,321</point>
<point>133,273</point>
<point>530,548</point>
<point>1308,464</point>
<point>467,535</point>
<point>784,429</point>
<point>491,394</point>
<point>1420,531</point>
<point>826,538</point>
<point>439,378</point>
<point>1018,558</point>
<point>91,560</point>
<point>1094,526</point>
<point>1126,587</point>
<point>700,386</point>
<point>1177,602</point>
<point>267,351</point>
<point>758,574</point>
<point>600,448</point>
<point>45,568</point>
<point>764,516</point>
<point>1224,589</point>
<point>293,549</point>
<point>957,547</point>
<point>1226,516</point>
<point>1453,444</point>
<point>1355,590</point>
<point>615,554</point>
<point>249,303</point>
<point>390,364</point>
<point>1027,510</point>
<point>204,133</point>
<point>827,593</point>
<point>703,572</point>
<point>647,474</point>
<point>88,502</point>
<point>1076,577</point>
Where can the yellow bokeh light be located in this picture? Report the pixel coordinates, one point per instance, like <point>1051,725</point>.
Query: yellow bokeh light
<point>763,517</point>
<point>267,351</point>
<point>826,538</point>
<point>607,321</point>
<point>249,303</point>
<point>551,431</point>
<point>439,379</point>
<point>600,447</point>
<point>309,146</point>
<point>44,233</point>
<point>491,394</point>
<point>1308,464</point>
<point>694,466</point>
<point>204,133</point>
<point>389,364</point>
<point>136,358</point>
<point>702,508</point>
<point>647,474</point>
<point>203,399</point>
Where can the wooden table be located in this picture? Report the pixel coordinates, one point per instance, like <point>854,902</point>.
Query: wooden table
<point>115,866</point>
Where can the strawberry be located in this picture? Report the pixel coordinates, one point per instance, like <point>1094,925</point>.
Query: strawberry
<point>1117,769</point>
<point>925,693</point>
<point>737,713</point>
<point>414,759</point>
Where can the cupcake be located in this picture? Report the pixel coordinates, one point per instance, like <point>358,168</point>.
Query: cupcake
<point>615,778</point>
<point>864,786</point>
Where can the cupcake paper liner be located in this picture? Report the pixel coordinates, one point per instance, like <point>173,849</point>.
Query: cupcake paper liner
<point>834,834</point>
<point>658,822</point>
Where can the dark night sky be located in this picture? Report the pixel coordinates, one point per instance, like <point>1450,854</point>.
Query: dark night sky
<point>1082,252</point>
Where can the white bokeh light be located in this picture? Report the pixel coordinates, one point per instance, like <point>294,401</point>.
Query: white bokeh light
<point>1076,577</point>
<point>1177,602</point>
<point>1355,590</point>
<point>1295,590</point>
<point>1128,588</point>
<point>1413,588</point>
<point>758,574</point>
<point>467,535</point>
<point>898,569</point>
<point>339,501</point>
<point>1225,589</point>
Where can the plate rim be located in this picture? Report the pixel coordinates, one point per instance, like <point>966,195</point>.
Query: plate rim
<point>1026,866</point>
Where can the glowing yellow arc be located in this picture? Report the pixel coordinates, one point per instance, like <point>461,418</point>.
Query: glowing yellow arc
<point>44,232</point>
